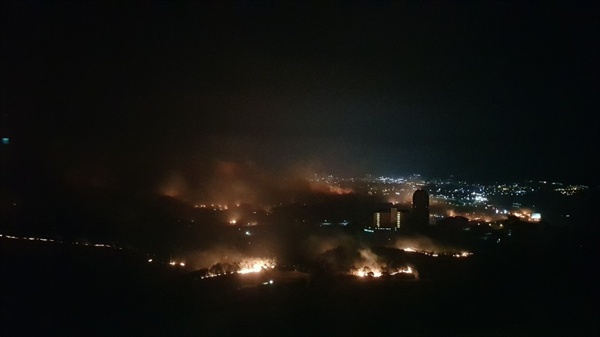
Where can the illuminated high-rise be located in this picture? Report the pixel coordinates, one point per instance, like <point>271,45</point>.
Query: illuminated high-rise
<point>388,218</point>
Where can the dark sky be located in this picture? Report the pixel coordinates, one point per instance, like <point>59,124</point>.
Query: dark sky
<point>131,91</point>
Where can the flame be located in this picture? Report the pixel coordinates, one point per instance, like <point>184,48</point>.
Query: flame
<point>436,254</point>
<point>245,266</point>
<point>378,271</point>
<point>256,266</point>
<point>371,266</point>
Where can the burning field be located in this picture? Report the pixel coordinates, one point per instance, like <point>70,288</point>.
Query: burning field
<point>370,264</point>
<point>244,266</point>
<point>336,255</point>
<point>226,292</point>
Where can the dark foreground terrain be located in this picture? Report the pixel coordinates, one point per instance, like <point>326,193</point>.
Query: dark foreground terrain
<point>62,289</point>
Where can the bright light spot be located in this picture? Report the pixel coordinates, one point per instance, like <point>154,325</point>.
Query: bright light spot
<point>182,264</point>
<point>149,260</point>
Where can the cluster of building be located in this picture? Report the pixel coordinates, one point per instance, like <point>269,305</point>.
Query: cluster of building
<point>396,218</point>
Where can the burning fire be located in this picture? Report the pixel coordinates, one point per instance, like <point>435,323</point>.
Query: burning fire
<point>436,254</point>
<point>370,265</point>
<point>245,266</point>
<point>378,271</point>
<point>255,266</point>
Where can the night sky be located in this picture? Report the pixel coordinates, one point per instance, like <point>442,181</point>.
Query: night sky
<point>126,93</point>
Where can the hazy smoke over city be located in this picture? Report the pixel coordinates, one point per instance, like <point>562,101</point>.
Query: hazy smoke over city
<point>233,182</point>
